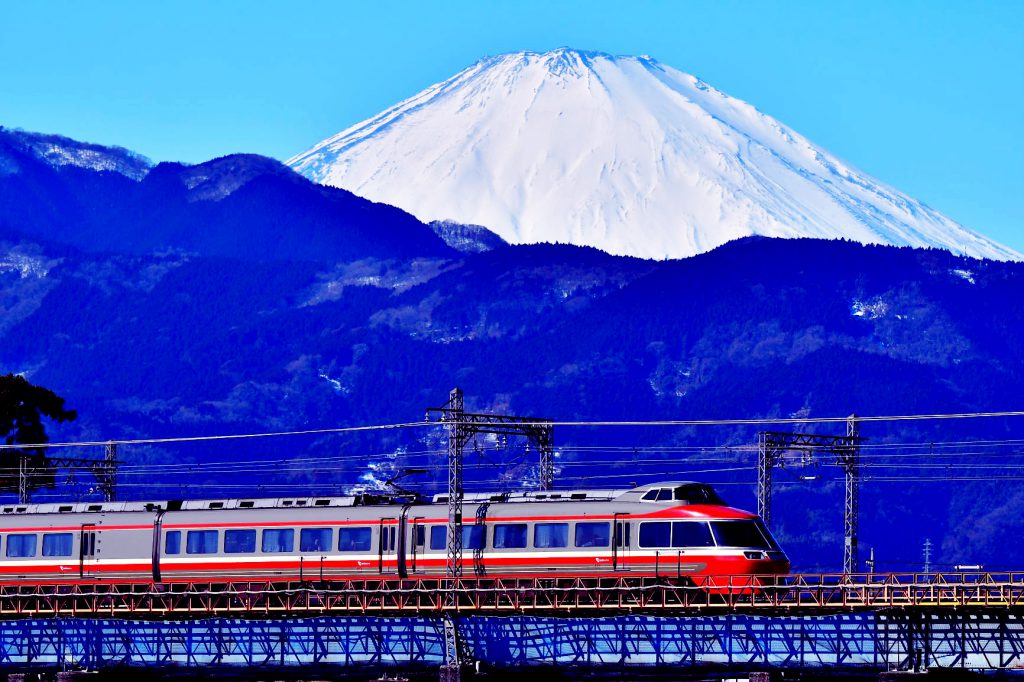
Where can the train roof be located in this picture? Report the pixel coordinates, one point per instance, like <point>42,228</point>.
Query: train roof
<point>567,495</point>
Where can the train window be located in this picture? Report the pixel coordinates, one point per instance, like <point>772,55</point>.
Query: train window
<point>201,542</point>
<point>656,534</point>
<point>172,542</point>
<point>650,495</point>
<point>239,541</point>
<point>548,535</point>
<point>278,540</point>
<point>622,534</point>
<point>509,536</point>
<point>387,538</point>
<point>697,494</point>
<point>739,534</point>
<point>593,534</point>
<point>419,535</point>
<point>473,537</point>
<point>691,534</point>
<point>315,539</point>
<point>57,544</point>
<point>21,545</point>
<point>354,539</point>
<point>438,537</point>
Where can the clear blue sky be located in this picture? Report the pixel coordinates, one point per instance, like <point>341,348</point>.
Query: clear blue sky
<point>927,96</point>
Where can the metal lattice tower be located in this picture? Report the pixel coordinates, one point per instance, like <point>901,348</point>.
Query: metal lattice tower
<point>456,442</point>
<point>464,426</point>
<point>849,459</point>
<point>772,445</point>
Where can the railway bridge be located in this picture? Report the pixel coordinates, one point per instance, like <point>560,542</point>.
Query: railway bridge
<point>854,623</point>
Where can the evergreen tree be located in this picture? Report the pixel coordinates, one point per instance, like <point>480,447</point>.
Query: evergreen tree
<point>22,408</point>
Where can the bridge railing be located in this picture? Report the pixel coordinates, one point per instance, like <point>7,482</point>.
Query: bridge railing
<point>383,595</point>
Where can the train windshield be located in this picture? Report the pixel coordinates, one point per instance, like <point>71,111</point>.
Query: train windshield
<point>747,534</point>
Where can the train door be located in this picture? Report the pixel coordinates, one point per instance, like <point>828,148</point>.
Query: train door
<point>417,545</point>
<point>622,538</point>
<point>88,549</point>
<point>387,559</point>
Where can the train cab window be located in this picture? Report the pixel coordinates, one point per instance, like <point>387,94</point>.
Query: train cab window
<point>509,536</point>
<point>315,539</point>
<point>739,534</point>
<point>172,542</point>
<point>201,542</point>
<point>656,534</point>
<point>57,544</point>
<point>593,534</point>
<point>697,494</point>
<point>239,541</point>
<point>438,537</point>
<point>550,535</point>
<point>21,545</point>
<point>277,540</point>
<point>658,495</point>
<point>354,539</point>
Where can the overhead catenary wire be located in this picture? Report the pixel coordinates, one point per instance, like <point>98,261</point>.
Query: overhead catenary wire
<point>427,423</point>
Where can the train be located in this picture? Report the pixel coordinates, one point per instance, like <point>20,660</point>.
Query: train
<point>679,529</point>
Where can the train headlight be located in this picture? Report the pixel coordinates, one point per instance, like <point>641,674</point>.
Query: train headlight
<point>755,555</point>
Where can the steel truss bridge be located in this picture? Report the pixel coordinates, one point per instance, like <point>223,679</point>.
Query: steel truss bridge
<point>865,622</point>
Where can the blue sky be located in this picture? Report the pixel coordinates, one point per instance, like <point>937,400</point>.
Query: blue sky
<point>927,96</point>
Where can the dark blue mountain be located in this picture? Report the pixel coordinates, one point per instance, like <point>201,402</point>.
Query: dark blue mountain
<point>235,297</point>
<point>241,206</point>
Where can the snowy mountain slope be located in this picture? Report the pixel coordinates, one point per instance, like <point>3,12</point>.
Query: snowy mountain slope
<point>58,151</point>
<point>622,153</point>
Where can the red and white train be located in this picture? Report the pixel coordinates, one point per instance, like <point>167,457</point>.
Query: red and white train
<point>670,529</point>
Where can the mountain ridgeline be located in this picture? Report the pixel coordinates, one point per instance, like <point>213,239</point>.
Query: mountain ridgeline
<point>235,296</point>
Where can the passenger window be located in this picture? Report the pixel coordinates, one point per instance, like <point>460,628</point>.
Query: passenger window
<point>549,535</point>
<point>509,536</point>
<point>593,534</point>
<point>172,542</point>
<point>419,536</point>
<point>57,544</point>
<point>656,534</point>
<point>21,545</point>
<point>315,539</point>
<point>473,537</point>
<point>354,539</point>
<point>277,540</point>
<point>201,542</point>
<point>691,534</point>
<point>239,541</point>
<point>438,537</point>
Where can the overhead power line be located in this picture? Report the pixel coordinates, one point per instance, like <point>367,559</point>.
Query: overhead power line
<point>421,424</point>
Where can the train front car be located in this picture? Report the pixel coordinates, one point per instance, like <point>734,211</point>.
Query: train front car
<point>671,530</point>
<point>694,536</point>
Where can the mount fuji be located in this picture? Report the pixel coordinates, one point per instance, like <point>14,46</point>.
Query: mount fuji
<point>621,153</point>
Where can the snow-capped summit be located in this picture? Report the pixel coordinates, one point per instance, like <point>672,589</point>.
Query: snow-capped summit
<point>622,153</point>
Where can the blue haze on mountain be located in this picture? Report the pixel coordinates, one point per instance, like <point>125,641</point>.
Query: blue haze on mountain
<point>235,296</point>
